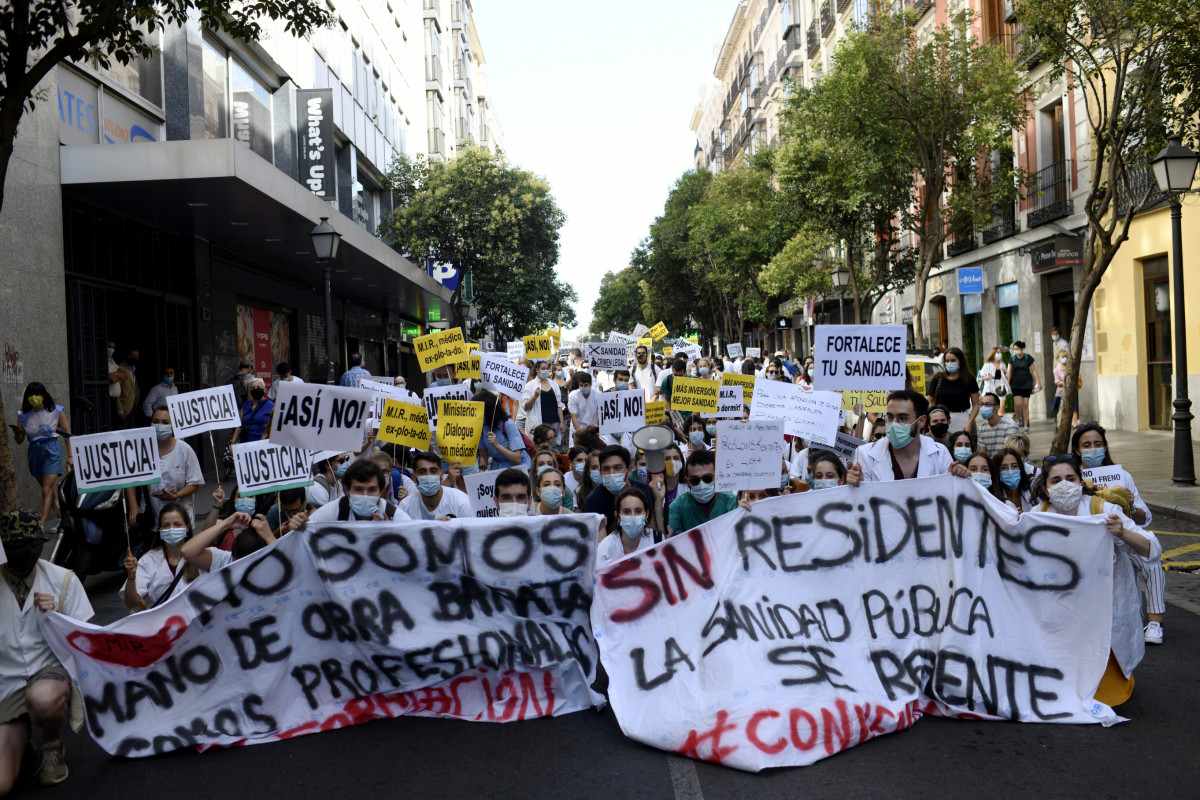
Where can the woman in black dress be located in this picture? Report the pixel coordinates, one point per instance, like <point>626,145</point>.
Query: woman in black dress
<point>1023,378</point>
<point>957,390</point>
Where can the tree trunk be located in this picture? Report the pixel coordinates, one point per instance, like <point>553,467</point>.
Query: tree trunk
<point>1088,282</point>
<point>854,286</point>
<point>925,265</point>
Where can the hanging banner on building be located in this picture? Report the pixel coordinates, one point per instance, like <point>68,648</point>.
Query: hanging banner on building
<point>337,627</point>
<point>813,416</point>
<point>481,492</point>
<point>115,460</point>
<point>622,412</point>
<point>434,394</point>
<point>695,394</point>
<point>459,428</point>
<point>204,410</point>
<point>538,348</point>
<point>264,466</point>
<point>405,424</point>
<point>314,142</point>
<point>607,355</point>
<point>264,340</point>
<point>859,357</point>
<point>319,417</point>
<point>749,454</point>
<point>817,621</point>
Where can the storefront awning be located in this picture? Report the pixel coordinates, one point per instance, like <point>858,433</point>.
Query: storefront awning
<point>222,192</point>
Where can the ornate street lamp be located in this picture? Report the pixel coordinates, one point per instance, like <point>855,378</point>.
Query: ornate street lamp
<point>841,277</point>
<point>325,242</point>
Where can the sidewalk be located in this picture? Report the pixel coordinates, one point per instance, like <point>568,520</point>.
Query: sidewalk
<point>1147,456</point>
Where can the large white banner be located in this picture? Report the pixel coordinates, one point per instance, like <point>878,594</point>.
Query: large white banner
<point>472,619</point>
<point>315,416</point>
<point>204,410</point>
<point>820,620</point>
<point>859,357</point>
<point>115,460</point>
<point>813,416</point>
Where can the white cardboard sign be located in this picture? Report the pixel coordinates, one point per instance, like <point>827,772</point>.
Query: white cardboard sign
<point>813,416</point>
<point>860,357</point>
<point>431,396</point>
<point>516,351</point>
<point>734,349</point>
<point>481,492</point>
<point>607,355</point>
<point>314,416</point>
<point>264,466</point>
<point>754,352</point>
<point>730,404</point>
<point>622,412</point>
<point>503,376</point>
<point>204,410</point>
<point>749,454</point>
<point>115,460</point>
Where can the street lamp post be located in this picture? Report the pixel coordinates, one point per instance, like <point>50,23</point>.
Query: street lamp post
<point>325,244</point>
<point>1175,169</point>
<point>841,277</point>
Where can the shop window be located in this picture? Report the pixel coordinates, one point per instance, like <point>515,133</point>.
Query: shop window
<point>216,109</point>
<point>251,114</point>
<point>141,76</point>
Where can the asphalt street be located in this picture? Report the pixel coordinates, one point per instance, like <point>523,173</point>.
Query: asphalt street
<point>585,755</point>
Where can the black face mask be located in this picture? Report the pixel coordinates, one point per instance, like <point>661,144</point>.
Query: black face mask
<point>256,394</point>
<point>23,557</point>
<point>939,429</point>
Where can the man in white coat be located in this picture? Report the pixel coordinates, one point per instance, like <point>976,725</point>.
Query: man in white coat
<point>903,453</point>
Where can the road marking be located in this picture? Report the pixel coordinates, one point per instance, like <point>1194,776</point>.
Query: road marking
<point>684,779</point>
<point>1187,565</point>
<point>1178,551</point>
<point>1177,533</point>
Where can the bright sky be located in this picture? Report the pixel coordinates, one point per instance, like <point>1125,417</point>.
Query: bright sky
<point>597,98</point>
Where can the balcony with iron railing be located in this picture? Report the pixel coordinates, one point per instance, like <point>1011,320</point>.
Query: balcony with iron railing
<point>814,41</point>
<point>1141,192</point>
<point>1004,223</point>
<point>1029,53</point>
<point>921,6</point>
<point>826,17</point>
<point>962,240</point>
<point>1007,41</point>
<point>842,5</point>
<point>1052,198</point>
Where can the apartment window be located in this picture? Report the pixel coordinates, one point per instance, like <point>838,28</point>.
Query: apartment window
<point>785,15</point>
<point>862,13</point>
<point>251,111</point>
<point>753,78</point>
<point>215,67</point>
<point>143,76</point>
<point>745,99</point>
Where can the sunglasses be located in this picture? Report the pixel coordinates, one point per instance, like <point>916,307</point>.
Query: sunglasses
<point>1061,458</point>
<point>696,479</point>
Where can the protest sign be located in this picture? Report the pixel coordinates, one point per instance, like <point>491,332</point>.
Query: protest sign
<point>264,466</point>
<point>434,394</point>
<point>440,348</point>
<point>203,410</point>
<point>468,619</point>
<point>615,337</point>
<point>658,331</point>
<point>819,620</point>
<point>381,393</point>
<point>687,350</point>
<point>749,454</point>
<point>639,331</point>
<point>916,371</point>
<point>481,491</point>
<point>1104,477</point>
<point>872,402</point>
<point>859,357</point>
<point>668,350</point>
<point>516,351</point>
<point>538,348</point>
<point>754,352</point>
<point>459,426</point>
<point>813,416</point>
<point>502,376</point>
<point>694,394</point>
<point>319,417</point>
<point>645,342</point>
<point>656,412</point>
<point>606,355</point>
<point>362,381</point>
<point>115,460</point>
<point>452,346</point>
<point>468,370</point>
<point>847,446</point>
<point>404,424</point>
<point>746,382</point>
<point>734,350</point>
<point>729,404</point>
<point>622,412</point>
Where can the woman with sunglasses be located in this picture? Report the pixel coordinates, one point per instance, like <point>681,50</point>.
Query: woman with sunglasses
<point>1061,490</point>
<point>1089,443</point>
<point>1015,479</point>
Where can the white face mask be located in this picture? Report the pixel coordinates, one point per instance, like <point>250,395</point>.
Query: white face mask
<point>1065,495</point>
<point>514,509</point>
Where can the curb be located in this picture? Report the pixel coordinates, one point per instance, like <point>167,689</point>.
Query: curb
<point>1189,512</point>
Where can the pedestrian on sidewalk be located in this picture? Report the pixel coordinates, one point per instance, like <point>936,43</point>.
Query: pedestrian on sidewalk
<point>127,400</point>
<point>350,376</point>
<point>1060,376</point>
<point>957,390</point>
<point>39,420</point>
<point>1023,378</point>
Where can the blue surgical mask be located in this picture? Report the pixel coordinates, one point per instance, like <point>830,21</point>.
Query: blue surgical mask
<point>961,454</point>
<point>579,468</point>
<point>987,411</point>
<point>543,374</point>
<point>622,385</point>
<point>1092,457</point>
<point>824,483</point>
<point>696,437</point>
<point>109,352</point>
<point>173,536</point>
<point>703,370</point>
<point>341,468</point>
<point>162,432</point>
<point>597,478</point>
<point>585,390</point>
<point>562,374</point>
<point>429,485</point>
<point>470,470</point>
<point>952,367</point>
<point>442,382</point>
<point>899,434</point>
<point>552,497</point>
<point>633,525</point>
<point>169,380</point>
<point>615,482</point>
<point>1010,478</point>
<point>244,505</point>
<point>543,468</point>
<point>641,473</point>
<point>982,478</point>
<point>711,429</point>
<point>1062,360</point>
<point>363,505</point>
<point>703,492</point>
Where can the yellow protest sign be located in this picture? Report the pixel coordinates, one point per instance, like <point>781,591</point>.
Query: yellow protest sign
<point>658,332</point>
<point>744,381</point>
<point>427,350</point>
<point>405,424</point>
<point>694,394</point>
<point>871,401</point>
<point>459,427</point>
<point>667,351</point>
<point>656,412</point>
<point>469,370</point>
<point>440,348</point>
<point>555,337</point>
<point>538,347</point>
<point>916,371</point>
<point>645,342</point>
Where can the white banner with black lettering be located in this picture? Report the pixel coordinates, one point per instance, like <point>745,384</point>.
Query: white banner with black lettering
<point>481,620</point>
<point>622,412</point>
<point>204,410</point>
<point>819,620</point>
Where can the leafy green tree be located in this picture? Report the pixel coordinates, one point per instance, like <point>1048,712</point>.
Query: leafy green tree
<point>497,220</point>
<point>619,304</point>
<point>37,35</point>
<point>1136,64</point>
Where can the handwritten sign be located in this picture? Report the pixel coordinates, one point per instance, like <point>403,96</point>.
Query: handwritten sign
<point>481,492</point>
<point>318,417</point>
<point>658,331</point>
<point>502,376</point>
<point>264,466</point>
<point>538,348</point>
<point>459,428</point>
<point>115,460</point>
<point>656,412</point>
<point>730,404</point>
<point>645,342</point>
<point>204,410</point>
<point>813,416</point>
<point>516,351</point>
<point>606,355</point>
<point>622,412</point>
<point>746,382</point>
<point>694,394</point>
<point>404,424</point>
<point>734,349</point>
<point>847,446</point>
<point>872,402</point>
<point>668,350</point>
<point>640,330</point>
<point>686,350</point>
<point>860,357</point>
<point>434,394</point>
<point>749,454</point>
<point>754,352</point>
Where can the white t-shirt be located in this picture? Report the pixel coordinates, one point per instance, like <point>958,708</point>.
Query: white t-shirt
<point>275,385</point>
<point>454,503</point>
<point>154,574</point>
<point>114,389</point>
<point>587,409</point>
<point>178,468</point>
<point>319,495</point>
<point>610,546</point>
<point>646,378</point>
<point>329,512</point>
